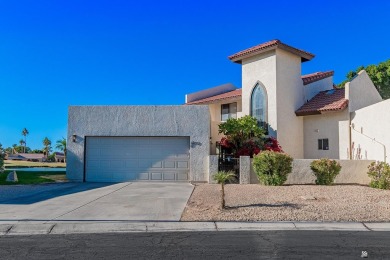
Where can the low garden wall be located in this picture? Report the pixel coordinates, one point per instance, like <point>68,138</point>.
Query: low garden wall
<point>352,172</point>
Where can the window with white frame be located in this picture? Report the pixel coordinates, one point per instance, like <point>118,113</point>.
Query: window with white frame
<point>228,111</point>
<point>323,144</point>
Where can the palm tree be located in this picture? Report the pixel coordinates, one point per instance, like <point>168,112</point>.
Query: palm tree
<point>61,145</point>
<point>222,177</point>
<point>47,146</point>
<point>25,133</point>
<point>14,148</point>
<point>22,143</point>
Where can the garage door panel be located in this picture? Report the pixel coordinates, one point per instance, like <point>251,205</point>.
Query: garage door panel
<point>117,164</point>
<point>158,164</point>
<point>143,176</point>
<point>169,164</point>
<point>156,176</point>
<point>170,176</point>
<point>181,176</point>
<point>129,164</point>
<point>182,165</point>
<point>115,159</point>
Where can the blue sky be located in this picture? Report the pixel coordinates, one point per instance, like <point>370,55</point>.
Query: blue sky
<point>59,53</point>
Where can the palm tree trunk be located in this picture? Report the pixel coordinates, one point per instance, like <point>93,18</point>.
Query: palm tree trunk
<point>223,195</point>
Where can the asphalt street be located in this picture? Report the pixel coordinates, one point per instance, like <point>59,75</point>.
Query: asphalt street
<point>200,245</point>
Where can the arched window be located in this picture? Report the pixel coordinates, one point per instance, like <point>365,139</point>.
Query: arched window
<point>259,105</point>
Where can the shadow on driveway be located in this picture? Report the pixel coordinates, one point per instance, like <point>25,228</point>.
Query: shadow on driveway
<point>30,194</point>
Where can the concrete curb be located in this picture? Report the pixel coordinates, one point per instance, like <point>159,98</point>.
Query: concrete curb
<point>117,227</point>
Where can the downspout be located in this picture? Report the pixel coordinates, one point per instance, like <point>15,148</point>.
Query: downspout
<point>350,136</point>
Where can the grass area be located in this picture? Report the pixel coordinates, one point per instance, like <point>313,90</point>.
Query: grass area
<point>26,177</point>
<point>22,164</point>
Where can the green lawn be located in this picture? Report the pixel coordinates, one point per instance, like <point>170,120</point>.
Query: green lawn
<point>26,177</point>
<point>16,164</point>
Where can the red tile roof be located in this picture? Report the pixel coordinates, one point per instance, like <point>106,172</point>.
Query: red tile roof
<point>325,101</point>
<point>313,77</point>
<point>271,45</point>
<point>307,79</point>
<point>227,95</point>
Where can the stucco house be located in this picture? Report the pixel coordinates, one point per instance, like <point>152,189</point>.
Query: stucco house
<point>33,157</point>
<point>309,116</point>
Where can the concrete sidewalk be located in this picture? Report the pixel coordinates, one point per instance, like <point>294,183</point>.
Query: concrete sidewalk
<point>28,228</point>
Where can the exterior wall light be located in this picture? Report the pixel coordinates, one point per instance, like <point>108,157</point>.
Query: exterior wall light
<point>74,137</point>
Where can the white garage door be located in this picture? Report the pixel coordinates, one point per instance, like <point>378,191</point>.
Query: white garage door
<point>117,159</point>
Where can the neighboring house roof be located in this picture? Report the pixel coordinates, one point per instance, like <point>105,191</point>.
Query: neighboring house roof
<point>313,77</point>
<point>267,46</point>
<point>325,101</point>
<point>27,156</point>
<point>58,154</point>
<point>224,96</point>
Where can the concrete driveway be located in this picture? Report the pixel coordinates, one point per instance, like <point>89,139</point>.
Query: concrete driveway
<point>90,202</point>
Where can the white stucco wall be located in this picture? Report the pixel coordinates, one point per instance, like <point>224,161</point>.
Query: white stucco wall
<point>372,122</point>
<point>189,121</point>
<point>361,92</point>
<point>290,97</point>
<point>312,89</point>
<point>215,120</point>
<point>280,73</point>
<point>333,126</point>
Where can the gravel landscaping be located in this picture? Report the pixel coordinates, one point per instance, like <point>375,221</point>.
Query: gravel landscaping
<point>254,202</point>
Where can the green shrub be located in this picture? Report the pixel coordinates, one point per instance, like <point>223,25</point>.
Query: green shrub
<point>272,168</point>
<point>325,170</point>
<point>379,172</point>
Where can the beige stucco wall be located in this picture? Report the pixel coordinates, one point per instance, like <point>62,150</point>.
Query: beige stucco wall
<point>215,117</point>
<point>352,172</point>
<point>312,89</point>
<point>372,122</point>
<point>280,73</point>
<point>262,69</point>
<point>290,97</point>
<point>361,92</point>
<point>333,126</point>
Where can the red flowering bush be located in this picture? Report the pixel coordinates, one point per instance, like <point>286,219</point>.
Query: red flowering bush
<point>251,147</point>
<point>225,143</point>
<point>244,137</point>
<point>271,144</point>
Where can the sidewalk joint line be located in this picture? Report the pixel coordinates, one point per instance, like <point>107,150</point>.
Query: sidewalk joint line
<point>215,224</point>
<point>364,224</point>
<point>295,226</point>
<point>87,203</point>
<point>51,228</point>
<point>8,230</point>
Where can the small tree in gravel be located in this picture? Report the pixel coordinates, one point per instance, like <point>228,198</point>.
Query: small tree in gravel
<point>379,172</point>
<point>222,177</point>
<point>325,170</point>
